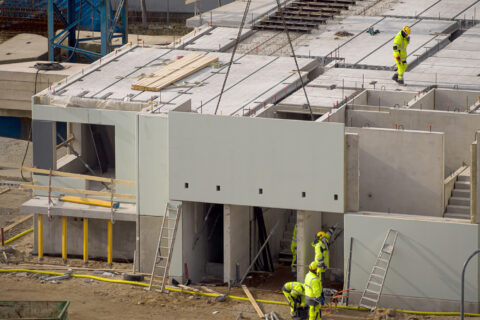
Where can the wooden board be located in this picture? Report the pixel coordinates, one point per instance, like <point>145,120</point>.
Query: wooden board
<point>253,302</point>
<point>174,72</point>
<point>16,223</point>
<point>81,176</point>
<point>6,189</point>
<point>79,191</point>
<point>207,289</point>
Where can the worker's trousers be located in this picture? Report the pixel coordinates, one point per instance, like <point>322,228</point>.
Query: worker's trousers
<point>401,68</point>
<point>291,303</point>
<point>315,309</point>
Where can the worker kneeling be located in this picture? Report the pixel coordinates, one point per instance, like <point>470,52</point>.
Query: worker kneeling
<point>295,294</point>
<point>314,292</point>
<point>400,43</point>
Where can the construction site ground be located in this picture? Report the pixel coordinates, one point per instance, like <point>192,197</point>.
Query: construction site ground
<point>93,299</point>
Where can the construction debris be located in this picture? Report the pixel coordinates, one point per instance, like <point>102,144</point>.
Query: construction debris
<point>253,302</point>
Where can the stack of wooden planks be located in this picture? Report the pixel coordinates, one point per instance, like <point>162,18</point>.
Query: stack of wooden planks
<point>174,72</point>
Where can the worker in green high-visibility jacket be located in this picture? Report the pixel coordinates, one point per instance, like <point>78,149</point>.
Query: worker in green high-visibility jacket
<point>314,292</point>
<point>293,248</point>
<point>400,43</point>
<point>295,294</point>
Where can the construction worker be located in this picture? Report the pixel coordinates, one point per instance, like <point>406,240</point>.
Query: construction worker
<point>293,248</point>
<point>314,292</point>
<point>400,43</point>
<point>322,254</point>
<point>295,294</point>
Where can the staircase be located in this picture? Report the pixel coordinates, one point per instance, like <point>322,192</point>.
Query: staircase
<point>459,203</point>
<point>285,255</point>
<point>304,15</point>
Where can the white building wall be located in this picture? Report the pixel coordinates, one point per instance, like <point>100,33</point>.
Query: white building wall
<point>426,264</point>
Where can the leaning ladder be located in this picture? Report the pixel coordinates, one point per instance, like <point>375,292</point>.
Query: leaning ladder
<point>373,289</point>
<point>166,240</point>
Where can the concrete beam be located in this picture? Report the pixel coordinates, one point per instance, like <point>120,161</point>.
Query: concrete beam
<point>44,137</point>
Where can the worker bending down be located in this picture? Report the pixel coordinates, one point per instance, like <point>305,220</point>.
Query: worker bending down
<point>314,292</point>
<point>322,254</point>
<point>295,294</point>
<point>400,43</point>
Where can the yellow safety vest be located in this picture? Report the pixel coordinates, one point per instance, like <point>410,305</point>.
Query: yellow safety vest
<point>313,285</point>
<point>400,44</point>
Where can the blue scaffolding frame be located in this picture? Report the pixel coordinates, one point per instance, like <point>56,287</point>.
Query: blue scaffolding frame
<point>110,27</point>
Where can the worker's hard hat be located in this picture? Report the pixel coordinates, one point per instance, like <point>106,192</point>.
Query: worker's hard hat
<point>406,29</point>
<point>321,235</point>
<point>313,266</point>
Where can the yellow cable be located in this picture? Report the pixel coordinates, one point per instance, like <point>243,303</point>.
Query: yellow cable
<point>231,297</point>
<point>19,235</point>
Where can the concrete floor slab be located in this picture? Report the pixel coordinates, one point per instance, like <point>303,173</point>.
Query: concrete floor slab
<point>219,39</point>
<point>39,205</point>
<point>24,47</point>
<point>230,15</point>
<point>319,97</point>
<point>458,58</point>
<point>472,13</point>
<point>253,80</point>
<point>447,9</point>
<point>410,8</point>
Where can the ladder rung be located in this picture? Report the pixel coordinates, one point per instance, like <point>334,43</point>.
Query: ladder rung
<point>162,247</point>
<point>156,266</point>
<point>378,276</point>
<point>371,291</point>
<point>366,306</point>
<point>377,267</point>
<point>374,283</point>
<point>370,299</point>
<point>383,260</point>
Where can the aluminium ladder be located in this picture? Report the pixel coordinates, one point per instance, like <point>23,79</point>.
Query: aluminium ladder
<point>374,287</point>
<point>166,240</point>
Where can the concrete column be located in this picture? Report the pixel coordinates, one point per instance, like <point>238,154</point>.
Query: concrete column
<point>352,174</point>
<point>308,224</point>
<point>44,140</point>
<point>476,166</point>
<point>236,240</point>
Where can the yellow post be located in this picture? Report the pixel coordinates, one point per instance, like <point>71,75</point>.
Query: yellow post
<point>85,241</point>
<point>40,237</point>
<point>64,239</point>
<point>110,243</point>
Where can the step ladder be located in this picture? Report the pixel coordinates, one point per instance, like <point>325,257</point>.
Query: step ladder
<point>373,289</point>
<point>166,240</point>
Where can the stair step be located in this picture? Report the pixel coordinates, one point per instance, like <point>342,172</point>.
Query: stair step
<point>285,254</point>
<point>461,193</point>
<point>457,215</point>
<point>285,244</point>
<point>459,201</point>
<point>285,260</point>
<point>458,209</point>
<point>462,185</point>
<point>463,178</point>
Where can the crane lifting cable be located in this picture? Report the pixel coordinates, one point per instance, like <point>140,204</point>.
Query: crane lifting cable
<point>237,40</point>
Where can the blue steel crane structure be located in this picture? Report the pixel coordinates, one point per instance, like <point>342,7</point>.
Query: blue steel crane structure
<point>78,13</point>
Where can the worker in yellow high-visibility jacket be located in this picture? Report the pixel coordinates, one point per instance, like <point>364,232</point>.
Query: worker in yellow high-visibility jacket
<point>400,43</point>
<point>313,292</point>
<point>295,294</point>
<point>322,253</point>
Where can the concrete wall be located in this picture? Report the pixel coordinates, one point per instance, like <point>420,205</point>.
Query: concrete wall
<point>125,134</point>
<point>459,128</point>
<point>194,240</point>
<point>271,216</point>
<point>236,240</point>
<point>401,171</point>
<point>426,265</point>
<point>352,172</point>
<point>447,100</point>
<point>123,238</point>
<point>309,223</point>
<point>250,161</point>
<point>153,164</point>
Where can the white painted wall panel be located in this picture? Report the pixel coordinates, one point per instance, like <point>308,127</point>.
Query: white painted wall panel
<point>240,155</point>
<point>428,257</point>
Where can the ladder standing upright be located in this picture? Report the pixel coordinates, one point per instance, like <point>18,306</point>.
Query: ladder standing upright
<point>166,240</point>
<point>374,287</point>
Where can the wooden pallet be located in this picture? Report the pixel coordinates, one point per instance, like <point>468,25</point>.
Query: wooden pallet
<point>174,72</point>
